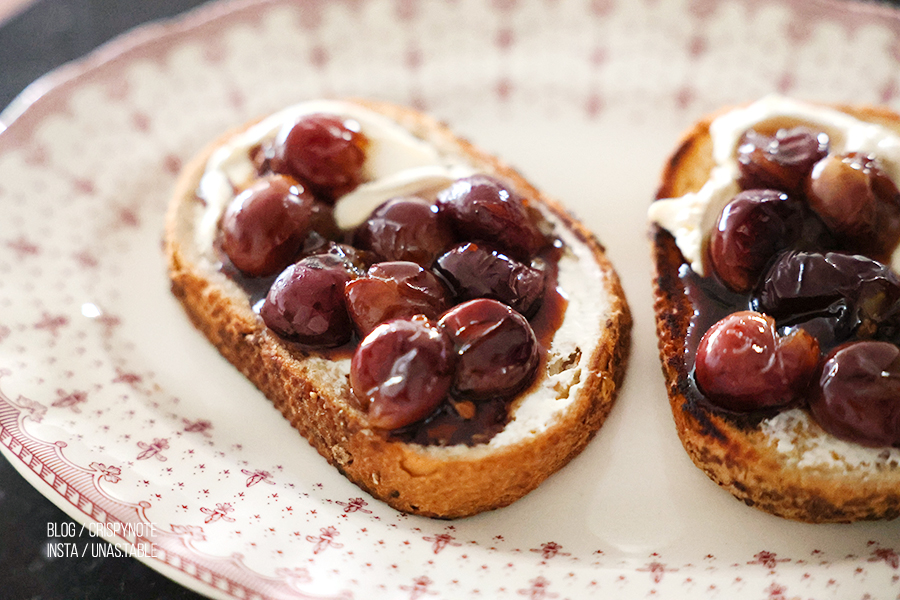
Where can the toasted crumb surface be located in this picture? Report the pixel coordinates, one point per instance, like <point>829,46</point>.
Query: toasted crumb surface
<point>550,424</point>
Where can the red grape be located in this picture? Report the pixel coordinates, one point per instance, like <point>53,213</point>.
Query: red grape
<point>405,229</point>
<point>498,351</point>
<point>858,202</point>
<point>751,230</point>
<point>743,365</point>
<point>779,162</point>
<point>306,302</point>
<point>402,371</point>
<point>264,227</point>
<point>481,208</point>
<point>858,396</point>
<point>849,291</point>
<point>475,271</point>
<point>394,289</point>
<point>326,152</point>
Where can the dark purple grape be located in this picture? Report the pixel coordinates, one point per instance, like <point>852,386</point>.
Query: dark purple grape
<point>858,394</point>
<point>392,290</point>
<point>743,365</point>
<point>481,208</point>
<point>306,302</point>
<point>782,161</point>
<point>476,271</point>
<point>851,292</point>
<point>402,371</point>
<point>858,202</point>
<point>264,227</point>
<point>498,351</point>
<point>324,151</point>
<point>754,227</point>
<point>405,229</point>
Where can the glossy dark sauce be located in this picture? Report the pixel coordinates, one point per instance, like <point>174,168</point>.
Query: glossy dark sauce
<point>807,242</point>
<point>447,426</point>
<point>256,288</point>
<point>711,301</point>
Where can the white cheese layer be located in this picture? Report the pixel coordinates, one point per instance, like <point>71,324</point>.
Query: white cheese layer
<point>802,442</point>
<point>397,163</point>
<point>691,217</point>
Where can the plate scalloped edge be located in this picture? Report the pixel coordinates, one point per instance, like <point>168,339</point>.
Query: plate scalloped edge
<point>78,491</point>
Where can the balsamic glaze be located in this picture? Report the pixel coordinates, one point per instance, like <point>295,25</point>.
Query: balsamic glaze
<point>446,426</point>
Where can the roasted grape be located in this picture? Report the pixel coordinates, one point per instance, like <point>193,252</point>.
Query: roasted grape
<point>858,394</point>
<point>394,289</point>
<point>858,202</point>
<point>306,302</point>
<point>402,371</point>
<point>780,162</point>
<point>751,230</point>
<point>481,208</point>
<point>405,229</point>
<point>743,364</point>
<point>854,294</point>
<point>323,151</point>
<point>265,226</point>
<point>476,271</point>
<point>498,351</point>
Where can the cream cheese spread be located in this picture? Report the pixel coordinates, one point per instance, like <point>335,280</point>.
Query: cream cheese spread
<point>397,163</point>
<point>691,217</point>
<point>800,439</point>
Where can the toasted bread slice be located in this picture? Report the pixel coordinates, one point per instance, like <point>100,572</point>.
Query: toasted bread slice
<point>550,423</point>
<point>784,464</point>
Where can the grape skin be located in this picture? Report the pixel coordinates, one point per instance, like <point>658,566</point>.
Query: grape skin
<point>498,351</point>
<point>858,396</point>
<point>402,371</point>
<point>265,225</point>
<point>394,289</point>
<point>752,229</point>
<point>323,151</point>
<point>743,364</point>
<point>306,302</point>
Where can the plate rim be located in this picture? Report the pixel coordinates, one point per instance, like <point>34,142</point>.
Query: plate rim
<point>14,123</point>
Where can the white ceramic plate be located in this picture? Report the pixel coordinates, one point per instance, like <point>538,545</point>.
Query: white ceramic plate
<point>120,413</point>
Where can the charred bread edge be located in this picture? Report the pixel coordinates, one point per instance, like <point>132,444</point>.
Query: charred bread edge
<point>738,456</point>
<point>446,483</point>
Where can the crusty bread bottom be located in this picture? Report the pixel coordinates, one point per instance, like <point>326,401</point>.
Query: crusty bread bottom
<point>740,455</point>
<point>312,393</point>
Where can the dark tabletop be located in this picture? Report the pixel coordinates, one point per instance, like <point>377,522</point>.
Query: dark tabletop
<point>45,35</point>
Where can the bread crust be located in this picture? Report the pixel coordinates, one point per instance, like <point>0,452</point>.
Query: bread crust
<point>436,482</point>
<point>738,454</point>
